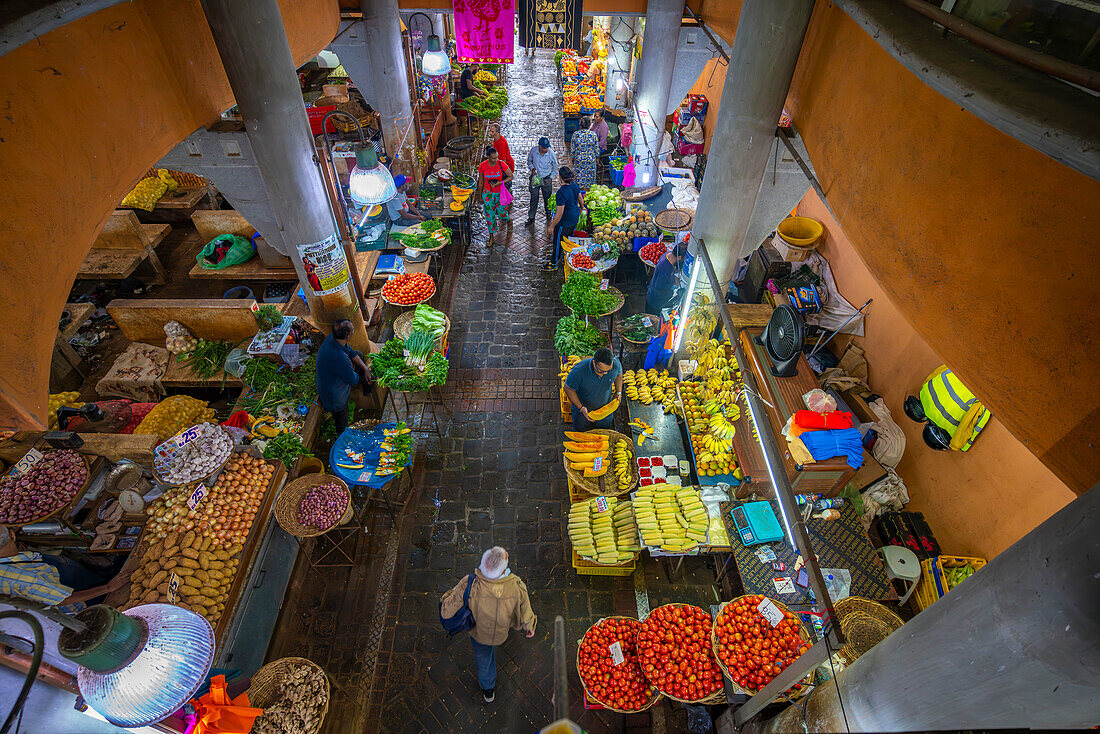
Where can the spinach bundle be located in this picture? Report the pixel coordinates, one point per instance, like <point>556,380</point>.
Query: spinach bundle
<point>391,369</point>
<point>582,293</point>
<point>574,337</point>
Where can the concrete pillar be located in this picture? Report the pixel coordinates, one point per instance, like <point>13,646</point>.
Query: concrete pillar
<point>381,30</point>
<point>765,51</point>
<point>619,52</point>
<point>659,42</point>
<point>1016,646</point>
<point>253,46</point>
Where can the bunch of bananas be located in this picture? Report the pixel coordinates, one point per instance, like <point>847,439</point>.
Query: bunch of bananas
<point>716,355</point>
<point>701,324</point>
<point>648,386</point>
<point>567,366</point>
<point>721,426</point>
<point>609,536</point>
<point>670,517</point>
<point>622,460</point>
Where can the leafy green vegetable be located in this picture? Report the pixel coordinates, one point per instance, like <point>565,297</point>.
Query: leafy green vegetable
<point>429,320</point>
<point>488,107</point>
<point>635,329</point>
<point>419,347</point>
<point>581,292</point>
<point>207,358</point>
<point>268,317</point>
<point>392,370</point>
<point>286,447</point>
<point>273,385</point>
<point>574,337</point>
<point>427,239</point>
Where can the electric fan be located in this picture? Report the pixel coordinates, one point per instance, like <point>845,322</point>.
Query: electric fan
<point>782,339</point>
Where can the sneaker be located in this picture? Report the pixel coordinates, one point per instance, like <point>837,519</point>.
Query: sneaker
<point>489,696</point>
<point>549,267</point>
<point>529,223</point>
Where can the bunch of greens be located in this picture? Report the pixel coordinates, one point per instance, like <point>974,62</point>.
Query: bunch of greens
<point>557,58</point>
<point>429,320</point>
<point>574,337</point>
<point>286,447</point>
<point>268,317</point>
<point>427,239</point>
<point>272,385</point>
<point>607,250</point>
<point>392,369</point>
<point>207,358</point>
<point>581,292</point>
<point>604,204</point>
<point>419,347</point>
<point>486,107</point>
<point>618,163</point>
<point>635,329</point>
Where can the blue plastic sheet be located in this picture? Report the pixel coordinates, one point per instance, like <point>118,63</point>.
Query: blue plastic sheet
<point>370,444</point>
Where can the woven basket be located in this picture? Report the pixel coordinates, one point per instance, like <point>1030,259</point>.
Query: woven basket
<point>865,623</point>
<point>402,327</point>
<point>577,662</point>
<point>605,484</point>
<point>619,330</point>
<point>78,493</point>
<point>807,681</point>
<point>263,692</point>
<point>715,698</point>
<point>166,483</point>
<point>286,504</point>
<point>674,220</point>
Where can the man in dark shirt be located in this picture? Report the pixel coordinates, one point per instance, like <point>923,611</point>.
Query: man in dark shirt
<point>592,384</point>
<point>566,216</point>
<point>661,287</point>
<point>466,86</point>
<point>339,368</point>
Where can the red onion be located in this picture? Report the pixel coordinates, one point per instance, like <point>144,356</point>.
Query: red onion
<point>43,489</point>
<point>323,506</point>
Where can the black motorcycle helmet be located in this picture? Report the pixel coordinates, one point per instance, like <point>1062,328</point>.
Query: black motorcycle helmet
<point>936,438</point>
<point>914,409</point>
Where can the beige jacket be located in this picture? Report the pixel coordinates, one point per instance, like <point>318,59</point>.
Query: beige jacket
<point>497,605</point>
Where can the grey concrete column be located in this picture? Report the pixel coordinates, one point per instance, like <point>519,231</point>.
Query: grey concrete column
<point>651,88</point>
<point>619,53</point>
<point>381,31</point>
<point>1016,646</point>
<point>765,51</point>
<point>254,50</point>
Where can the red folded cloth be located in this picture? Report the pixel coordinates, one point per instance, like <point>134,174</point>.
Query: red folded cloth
<point>832,421</point>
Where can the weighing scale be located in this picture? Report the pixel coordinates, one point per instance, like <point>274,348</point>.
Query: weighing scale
<point>756,523</point>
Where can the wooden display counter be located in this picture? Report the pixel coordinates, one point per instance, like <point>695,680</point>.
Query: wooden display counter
<point>111,446</point>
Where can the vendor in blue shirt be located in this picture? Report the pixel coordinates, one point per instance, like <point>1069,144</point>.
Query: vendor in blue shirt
<point>339,368</point>
<point>592,384</point>
<point>663,283</point>
<point>401,212</point>
<point>566,216</point>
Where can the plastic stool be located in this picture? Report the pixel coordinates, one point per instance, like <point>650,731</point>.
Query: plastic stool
<point>901,563</point>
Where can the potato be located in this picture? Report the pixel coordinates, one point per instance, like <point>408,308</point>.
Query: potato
<point>188,539</point>
<point>206,543</point>
<point>221,555</point>
<point>150,596</point>
<point>170,564</point>
<point>191,553</point>
<point>201,575</point>
<point>162,589</point>
<point>209,591</point>
<point>186,590</point>
<point>183,571</point>
<point>234,549</point>
<point>160,576</point>
<point>171,539</point>
<point>188,562</point>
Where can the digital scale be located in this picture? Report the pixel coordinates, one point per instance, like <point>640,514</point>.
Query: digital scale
<point>756,523</point>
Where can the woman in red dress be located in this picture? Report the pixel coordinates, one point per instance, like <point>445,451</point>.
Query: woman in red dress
<point>497,140</point>
<point>492,175</point>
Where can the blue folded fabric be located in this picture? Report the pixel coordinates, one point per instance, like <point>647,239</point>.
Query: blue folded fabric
<point>841,442</point>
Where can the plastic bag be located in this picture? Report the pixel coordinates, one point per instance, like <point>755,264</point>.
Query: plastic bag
<point>146,194</point>
<point>177,339</point>
<point>224,251</point>
<point>819,401</point>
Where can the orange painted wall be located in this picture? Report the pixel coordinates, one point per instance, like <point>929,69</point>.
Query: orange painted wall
<point>709,84</point>
<point>979,502</point>
<point>89,107</point>
<point>980,240</point>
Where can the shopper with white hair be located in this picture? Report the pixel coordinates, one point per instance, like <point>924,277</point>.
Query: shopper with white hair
<point>498,602</point>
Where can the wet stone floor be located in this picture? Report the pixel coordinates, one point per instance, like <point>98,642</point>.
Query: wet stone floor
<point>494,477</point>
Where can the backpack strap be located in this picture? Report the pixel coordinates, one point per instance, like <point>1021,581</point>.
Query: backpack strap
<point>466,596</point>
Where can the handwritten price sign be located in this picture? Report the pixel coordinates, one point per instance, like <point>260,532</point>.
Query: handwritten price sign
<point>29,459</point>
<point>197,496</point>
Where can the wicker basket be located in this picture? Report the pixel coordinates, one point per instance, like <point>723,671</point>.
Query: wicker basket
<point>286,504</point>
<point>402,327</point>
<point>806,681</point>
<point>603,485</point>
<point>653,700</point>
<point>166,483</point>
<point>263,692</point>
<point>713,699</point>
<point>674,220</point>
<point>79,493</point>
<point>865,623</point>
<point>619,330</point>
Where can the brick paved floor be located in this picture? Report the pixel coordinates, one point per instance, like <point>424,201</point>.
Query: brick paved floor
<point>494,478</point>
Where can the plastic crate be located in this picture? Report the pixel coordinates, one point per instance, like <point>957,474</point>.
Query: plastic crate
<point>587,568</point>
<point>640,242</point>
<point>695,103</point>
<point>933,582</point>
<point>616,175</point>
<point>576,495</point>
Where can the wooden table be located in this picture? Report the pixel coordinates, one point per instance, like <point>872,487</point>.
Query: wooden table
<point>253,270</point>
<point>79,313</point>
<point>180,376</point>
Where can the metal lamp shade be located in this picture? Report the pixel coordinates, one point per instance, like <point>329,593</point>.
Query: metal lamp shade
<point>370,182</point>
<point>163,676</point>
<point>435,61</point>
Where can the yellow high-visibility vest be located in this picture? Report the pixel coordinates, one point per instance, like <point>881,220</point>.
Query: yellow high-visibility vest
<point>951,406</point>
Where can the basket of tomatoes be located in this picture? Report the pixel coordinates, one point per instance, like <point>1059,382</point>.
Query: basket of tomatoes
<point>751,649</point>
<point>408,289</point>
<point>607,662</point>
<point>675,654</point>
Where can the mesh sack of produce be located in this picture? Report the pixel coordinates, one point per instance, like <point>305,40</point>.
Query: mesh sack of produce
<point>172,415</point>
<point>138,411</point>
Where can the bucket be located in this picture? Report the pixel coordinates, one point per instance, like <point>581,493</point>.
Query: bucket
<point>239,291</point>
<point>310,465</point>
<point>800,231</point>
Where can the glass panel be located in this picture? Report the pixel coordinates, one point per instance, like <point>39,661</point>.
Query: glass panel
<point>1066,29</point>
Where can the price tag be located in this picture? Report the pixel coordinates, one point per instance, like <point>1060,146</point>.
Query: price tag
<point>783,585</point>
<point>366,476</point>
<point>601,503</point>
<point>604,284</point>
<point>29,459</point>
<point>597,464</point>
<point>196,496</point>
<point>173,588</point>
<point>771,612</point>
<point>606,247</point>
<point>255,307</point>
<point>406,352</point>
<point>616,650</point>
<point>647,321</point>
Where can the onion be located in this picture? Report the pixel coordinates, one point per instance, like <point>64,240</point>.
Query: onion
<point>322,506</point>
<point>43,489</point>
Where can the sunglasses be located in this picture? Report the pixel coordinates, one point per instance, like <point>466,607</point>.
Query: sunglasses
<point>599,370</point>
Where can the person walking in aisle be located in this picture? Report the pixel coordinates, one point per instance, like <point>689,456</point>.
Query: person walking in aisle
<point>566,216</point>
<point>499,602</point>
<point>542,161</point>
<point>584,147</point>
<point>599,126</point>
<point>492,175</point>
<point>497,140</point>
